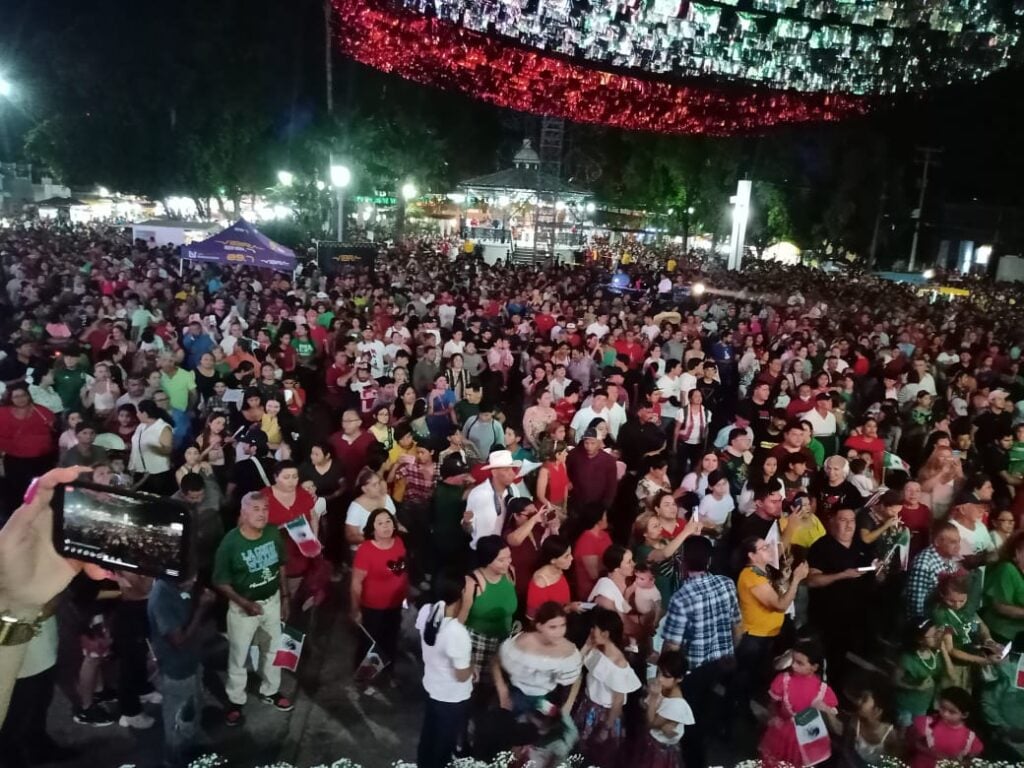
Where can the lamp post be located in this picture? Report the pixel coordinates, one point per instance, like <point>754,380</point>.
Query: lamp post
<point>686,230</point>
<point>340,178</point>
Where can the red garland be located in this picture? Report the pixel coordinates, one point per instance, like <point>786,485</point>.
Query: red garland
<point>442,54</point>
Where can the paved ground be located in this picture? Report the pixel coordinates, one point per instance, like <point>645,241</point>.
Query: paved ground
<point>330,720</point>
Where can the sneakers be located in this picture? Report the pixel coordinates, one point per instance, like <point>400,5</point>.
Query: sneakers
<point>141,721</point>
<point>94,716</point>
<point>233,716</point>
<point>153,697</point>
<point>104,696</point>
<point>279,702</point>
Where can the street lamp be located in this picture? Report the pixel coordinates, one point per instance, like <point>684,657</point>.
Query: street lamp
<point>6,87</point>
<point>340,178</point>
<point>686,229</point>
<point>409,191</point>
<point>285,178</point>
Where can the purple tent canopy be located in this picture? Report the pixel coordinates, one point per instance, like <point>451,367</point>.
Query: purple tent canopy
<point>242,244</point>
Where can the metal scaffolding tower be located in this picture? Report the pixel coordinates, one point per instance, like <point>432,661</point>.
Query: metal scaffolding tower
<point>549,179</point>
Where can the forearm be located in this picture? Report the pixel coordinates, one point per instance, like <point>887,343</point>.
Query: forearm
<point>11,658</point>
<point>1009,611</point>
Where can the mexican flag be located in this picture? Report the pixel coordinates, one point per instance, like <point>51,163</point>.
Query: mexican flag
<point>772,539</point>
<point>302,534</point>
<point>812,736</point>
<point>892,462</point>
<point>288,648</point>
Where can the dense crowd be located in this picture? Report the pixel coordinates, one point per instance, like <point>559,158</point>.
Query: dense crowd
<point>634,518</point>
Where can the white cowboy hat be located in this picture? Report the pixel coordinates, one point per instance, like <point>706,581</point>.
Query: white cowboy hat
<point>502,460</point>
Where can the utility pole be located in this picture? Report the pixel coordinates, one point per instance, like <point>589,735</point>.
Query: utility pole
<point>328,58</point>
<point>927,161</point>
<point>873,249</point>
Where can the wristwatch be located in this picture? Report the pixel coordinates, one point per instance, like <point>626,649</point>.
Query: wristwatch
<point>17,631</point>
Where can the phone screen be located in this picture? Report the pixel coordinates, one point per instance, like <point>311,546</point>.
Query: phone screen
<point>121,530</point>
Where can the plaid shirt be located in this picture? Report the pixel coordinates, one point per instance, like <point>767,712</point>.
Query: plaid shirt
<point>925,572</point>
<point>701,616</point>
<point>417,487</point>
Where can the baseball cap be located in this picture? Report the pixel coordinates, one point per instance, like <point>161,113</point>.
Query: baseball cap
<point>453,465</point>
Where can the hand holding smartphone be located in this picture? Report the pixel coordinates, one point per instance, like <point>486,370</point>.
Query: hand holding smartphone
<point>122,530</point>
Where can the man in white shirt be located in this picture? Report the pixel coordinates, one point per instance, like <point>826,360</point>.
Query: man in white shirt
<point>823,422</point>
<point>597,409</point>
<point>398,326</point>
<point>454,346</point>
<point>559,381</point>
<point>616,413</point>
<point>373,351</point>
<point>485,504</point>
<point>671,394</point>
<point>447,652</point>
<point>599,327</point>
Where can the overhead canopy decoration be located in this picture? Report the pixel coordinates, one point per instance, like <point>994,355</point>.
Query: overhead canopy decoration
<point>242,244</point>
<point>722,67</point>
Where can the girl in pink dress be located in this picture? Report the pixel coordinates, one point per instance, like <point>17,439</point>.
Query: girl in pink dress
<point>792,692</point>
<point>944,735</point>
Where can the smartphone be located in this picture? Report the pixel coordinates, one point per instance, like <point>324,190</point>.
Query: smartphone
<point>122,530</point>
<point>866,568</point>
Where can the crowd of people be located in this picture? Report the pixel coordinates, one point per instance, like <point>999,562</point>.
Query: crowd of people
<point>636,521</point>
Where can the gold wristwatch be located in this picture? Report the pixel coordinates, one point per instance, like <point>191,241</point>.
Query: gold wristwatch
<point>16,631</point>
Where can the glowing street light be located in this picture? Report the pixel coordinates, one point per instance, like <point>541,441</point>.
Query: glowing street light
<point>285,178</point>
<point>409,191</point>
<point>6,87</point>
<point>103,192</point>
<point>341,176</point>
<point>320,186</point>
<point>591,207</point>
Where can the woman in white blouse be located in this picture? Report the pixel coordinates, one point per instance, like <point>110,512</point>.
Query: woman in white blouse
<point>537,662</point>
<point>612,592</point>
<point>150,458</point>
<point>716,506</point>
<point>598,712</point>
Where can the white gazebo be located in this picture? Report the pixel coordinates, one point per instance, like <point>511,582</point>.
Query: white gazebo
<point>511,205</point>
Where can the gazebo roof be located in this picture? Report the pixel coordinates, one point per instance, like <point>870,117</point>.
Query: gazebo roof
<point>521,180</point>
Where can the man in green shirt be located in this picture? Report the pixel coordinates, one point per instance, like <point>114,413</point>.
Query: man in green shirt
<point>248,571</point>
<point>179,384</point>
<point>1004,596</point>
<point>470,405</point>
<point>69,376</point>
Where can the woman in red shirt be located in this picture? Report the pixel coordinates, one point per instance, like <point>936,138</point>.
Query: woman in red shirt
<point>917,517</point>
<point>553,484</point>
<point>288,502</point>
<point>549,583</point>
<point>380,585</point>
<point>590,548</point>
<point>27,443</point>
<point>866,440</point>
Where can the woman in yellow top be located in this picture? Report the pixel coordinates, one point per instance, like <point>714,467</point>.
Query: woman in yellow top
<point>808,526</point>
<point>762,614</point>
<point>269,424</point>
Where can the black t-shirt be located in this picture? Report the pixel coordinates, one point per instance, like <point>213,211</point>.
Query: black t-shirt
<point>636,439</point>
<point>842,496</point>
<point>989,426</point>
<point>247,478</point>
<point>842,601</point>
<point>759,416</point>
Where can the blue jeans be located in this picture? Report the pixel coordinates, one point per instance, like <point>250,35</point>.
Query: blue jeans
<point>182,708</point>
<point>443,724</point>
